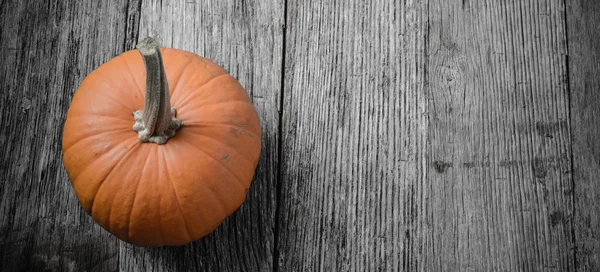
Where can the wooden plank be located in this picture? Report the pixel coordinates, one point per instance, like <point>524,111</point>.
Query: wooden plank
<point>47,48</point>
<point>353,131</point>
<point>584,78</point>
<point>246,38</point>
<point>499,171</point>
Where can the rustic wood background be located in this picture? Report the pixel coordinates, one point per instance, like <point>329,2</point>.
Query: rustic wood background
<point>416,135</point>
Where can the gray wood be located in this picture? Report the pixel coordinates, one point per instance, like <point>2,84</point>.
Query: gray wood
<point>353,136</point>
<point>419,135</point>
<point>584,78</point>
<point>46,49</point>
<point>499,183</point>
<point>244,37</point>
<point>458,162</point>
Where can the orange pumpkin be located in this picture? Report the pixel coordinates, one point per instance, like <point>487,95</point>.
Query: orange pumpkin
<point>171,173</point>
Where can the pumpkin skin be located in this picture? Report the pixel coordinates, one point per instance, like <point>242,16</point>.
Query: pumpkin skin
<point>156,195</point>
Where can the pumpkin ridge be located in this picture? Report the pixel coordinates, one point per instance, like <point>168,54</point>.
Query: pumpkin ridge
<point>184,69</point>
<point>212,139</point>
<point>95,194</point>
<point>218,200</point>
<point>102,155</point>
<point>203,107</point>
<point>102,94</point>
<point>183,101</point>
<point>82,113</point>
<point>112,203</point>
<point>185,221</point>
<point>140,89</point>
<point>160,198</point>
<point>129,152</point>
<point>66,149</point>
<point>135,193</point>
<point>208,124</point>
<point>239,181</point>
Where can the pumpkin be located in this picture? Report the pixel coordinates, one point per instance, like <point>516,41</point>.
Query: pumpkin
<point>160,145</point>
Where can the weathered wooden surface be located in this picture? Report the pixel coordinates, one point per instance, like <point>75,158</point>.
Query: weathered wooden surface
<point>46,49</point>
<point>584,78</point>
<point>499,166</point>
<point>489,189</point>
<point>419,135</point>
<point>353,136</point>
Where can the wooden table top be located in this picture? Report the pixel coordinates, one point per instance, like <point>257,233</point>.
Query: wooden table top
<point>419,135</point>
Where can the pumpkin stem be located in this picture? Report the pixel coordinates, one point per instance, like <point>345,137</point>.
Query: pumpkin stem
<point>156,122</point>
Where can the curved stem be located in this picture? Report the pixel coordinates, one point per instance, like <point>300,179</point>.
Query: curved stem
<point>156,122</point>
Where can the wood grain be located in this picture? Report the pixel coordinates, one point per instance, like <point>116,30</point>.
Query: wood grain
<point>353,135</point>
<point>490,189</point>
<point>584,78</point>
<point>417,135</point>
<point>500,190</point>
<point>47,48</point>
<point>244,37</point>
